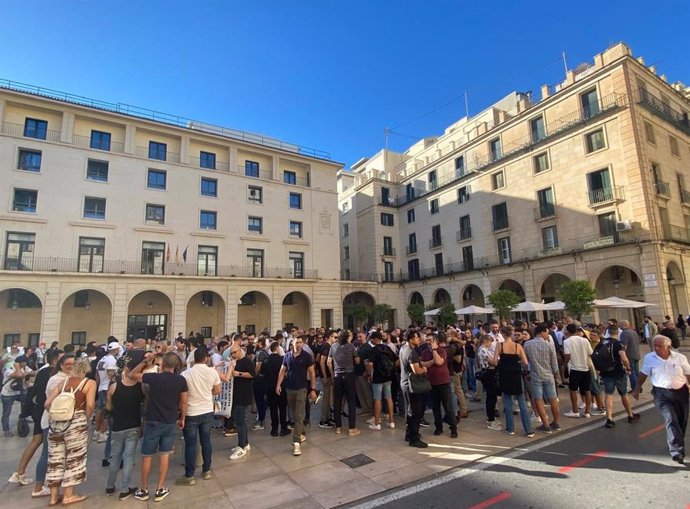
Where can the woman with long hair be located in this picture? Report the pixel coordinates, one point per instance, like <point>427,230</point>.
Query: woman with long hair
<point>489,379</point>
<point>67,446</point>
<point>509,356</point>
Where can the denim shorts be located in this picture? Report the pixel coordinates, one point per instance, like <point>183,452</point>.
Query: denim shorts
<point>612,384</point>
<point>158,438</point>
<point>545,389</point>
<point>102,396</point>
<point>381,391</point>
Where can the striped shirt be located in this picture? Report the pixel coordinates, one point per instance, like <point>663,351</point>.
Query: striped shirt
<point>543,363</point>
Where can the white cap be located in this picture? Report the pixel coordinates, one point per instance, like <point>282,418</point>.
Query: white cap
<point>114,345</point>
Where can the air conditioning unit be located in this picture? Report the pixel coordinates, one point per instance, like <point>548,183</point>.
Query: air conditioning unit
<point>623,226</point>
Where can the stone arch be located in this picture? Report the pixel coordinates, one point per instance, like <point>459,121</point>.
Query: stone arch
<point>85,315</point>
<point>619,280</point>
<point>677,289</point>
<point>21,316</point>
<point>416,298</point>
<point>149,315</point>
<point>440,297</point>
<point>352,303</point>
<point>513,286</point>
<point>472,295</point>
<point>296,310</point>
<point>254,311</point>
<point>548,287</point>
<point>205,313</point>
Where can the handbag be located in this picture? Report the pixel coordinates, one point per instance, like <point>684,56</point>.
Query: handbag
<point>419,384</point>
<point>22,427</point>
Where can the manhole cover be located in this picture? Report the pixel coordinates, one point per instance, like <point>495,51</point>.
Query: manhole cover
<point>357,461</point>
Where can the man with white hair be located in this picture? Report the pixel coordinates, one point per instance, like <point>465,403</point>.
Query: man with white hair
<point>669,372</point>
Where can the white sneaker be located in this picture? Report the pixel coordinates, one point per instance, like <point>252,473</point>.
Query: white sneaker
<point>95,436</point>
<point>296,449</point>
<point>588,416</point>
<point>103,437</point>
<point>15,478</point>
<point>375,427</point>
<point>391,425</point>
<point>574,415</point>
<point>494,425</point>
<point>582,405</point>
<point>371,420</point>
<point>238,454</point>
<point>535,418</point>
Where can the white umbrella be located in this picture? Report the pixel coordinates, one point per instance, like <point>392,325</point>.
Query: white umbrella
<point>554,306</point>
<point>432,312</point>
<point>474,310</point>
<point>617,302</point>
<point>528,306</point>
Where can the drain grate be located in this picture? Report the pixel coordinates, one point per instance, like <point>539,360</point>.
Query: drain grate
<point>357,460</point>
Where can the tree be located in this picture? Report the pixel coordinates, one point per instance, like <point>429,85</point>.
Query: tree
<point>416,313</point>
<point>503,301</point>
<point>360,313</point>
<point>381,313</point>
<point>578,296</point>
<point>446,315</point>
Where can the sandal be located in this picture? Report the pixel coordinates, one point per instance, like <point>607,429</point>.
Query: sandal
<point>75,499</point>
<point>51,503</point>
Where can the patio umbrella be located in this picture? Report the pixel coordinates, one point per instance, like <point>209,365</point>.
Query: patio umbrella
<point>554,306</point>
<point>474,310</point>
<point>527,306</point>
<point>617,302</point>
<point>432,312</point>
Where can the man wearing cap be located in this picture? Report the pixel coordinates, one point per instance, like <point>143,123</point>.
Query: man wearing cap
<point>106,368</point>
<point>10,394</point>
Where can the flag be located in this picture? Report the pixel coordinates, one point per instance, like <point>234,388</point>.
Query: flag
<point>177,254</point>
<point>184,255</point>
<point>167,258</point>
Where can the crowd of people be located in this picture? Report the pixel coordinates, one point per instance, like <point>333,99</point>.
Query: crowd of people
<point>140,397</point>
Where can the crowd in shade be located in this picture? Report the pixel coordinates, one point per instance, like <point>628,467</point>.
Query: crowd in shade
<point>132,402</point>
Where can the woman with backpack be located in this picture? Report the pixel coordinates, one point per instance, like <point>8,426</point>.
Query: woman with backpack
<point>68,438</point>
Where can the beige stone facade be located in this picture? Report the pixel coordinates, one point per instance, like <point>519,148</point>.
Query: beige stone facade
<point>590,182</point>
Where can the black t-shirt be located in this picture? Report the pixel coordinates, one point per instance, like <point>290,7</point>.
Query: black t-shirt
<point>164,396</point>
<point>408,356</point>
<point>324,350</point>
<point>243,388</point>
<point>619,370</point>
<point>364,352</point>
<point>270,369</point>
<point>375,354</point>
<point>39,391</point>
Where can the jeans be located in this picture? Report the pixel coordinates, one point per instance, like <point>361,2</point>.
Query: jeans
<point>673,406</point>
<point>297,398</point>
<point>197,425</point>
<point>326,398</point>
<point>490,383</point>
<point>471,380</point>
<point>524,414</point>
<point>278,406</point>
<point>42,464</point>
<point>7,402</point>
<point>440,395</point>
<point>124,446</point>
<point>109,442</point>
<point>634,370</point>
<point>344,385</point>
<point>260,398</point>
<point>239,415</point>
<point>413,402</point>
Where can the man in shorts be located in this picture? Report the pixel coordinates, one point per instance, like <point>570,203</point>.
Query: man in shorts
<point>543,369</point>
<point>165,414</point>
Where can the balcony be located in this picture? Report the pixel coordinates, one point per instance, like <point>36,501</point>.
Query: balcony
<point>220,165</point>
<point>615,238</point>
<point>73,265</point>
<point>411,250</point>
<point>500,224</point>
<point>664,111</point>
<point>464,234</point>
<point>435,242</point>
<point>18,130</point>
<point>85,142</point>
<point>294,180</point>
<point>388,202</point>
<point>550,251</point>
<point>662,188</point>
<point>257,174</point>
<point>170,157</point>
<point>389,252</point>
<point>605,195</point>
<point>677,233</point>
<point>546,211</point>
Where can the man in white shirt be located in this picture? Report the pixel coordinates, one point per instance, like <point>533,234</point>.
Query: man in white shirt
<point>203,382</point>
<point>670,375</point>
<point>106,369</point>
<point>577,350</point>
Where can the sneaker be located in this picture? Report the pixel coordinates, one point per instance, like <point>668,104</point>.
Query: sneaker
<point>633,418</point>
<point>423,423</point>
<point>230,432</point>
<point>419,444</point>
<point>142,495</point>
<point>161,494</point>
<point>438,432</point>
<point>285,432</point>
<point>338,431</point>
<point>206,475</point>
<point>274,433</point>
<point>45,492</point>
<point>371,420</point>
<point>375,427</point>
<point>555,426</point>
<point>581,405</point>
<point>238,454</point>
<point>391,425</point>
<point>95,436</point>
<point>454,434</point>
<point>325,425</point>
<point>494,425</point>
<point>610,423</point>
<point>103,437</point>
<point>105,463</point>
<point>476,400</point>
<point>9,434</point>
<point>353,432</point>
<point>544,429</point>
<point>185,481</point>
<point>124,495</point>
<point>574,415</point>
<point>535,418</point>
<point>15,478</point>
<point>296,449</point>
<point>530,434</point>
<point>258,426</point>
<point>598,411</point>
<point>510,432</point>
<point>302,439</point>
<point>110,491</point>
<point>588,416</point>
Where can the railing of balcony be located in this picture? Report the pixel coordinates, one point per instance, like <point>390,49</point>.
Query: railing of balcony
<point>500,224</point>
<point>171,157</point>
<point>545,211</point>
<point>390,202</point>
<point>85,142</point>
<point>435,242</point>
<point>606,194</point>
<point>93,265</point>
<point>257,174</point>
<point>464,234</point>
<point>18,130</point>
<point>685,196</point>
<point>662,188</point>
<point>389,252</point>
<point>665,111</point>
<point>676,232</point>
<point>295,181</point>
<point>411,249</point>
<point>220,165</point>
<point>572,120</point>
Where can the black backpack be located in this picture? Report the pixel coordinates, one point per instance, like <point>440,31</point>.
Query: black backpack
<point>384,363</point>
<point>602,357</point>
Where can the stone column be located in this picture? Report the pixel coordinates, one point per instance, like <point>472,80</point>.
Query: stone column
<point>130,139</point>
<point>118,326</point>
<point>50,318</point>
<point>67,127</point>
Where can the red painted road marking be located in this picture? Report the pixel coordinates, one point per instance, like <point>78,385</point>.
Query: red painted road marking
<point>650,432</point>
<point>487,503</point>
<point>579,463</point>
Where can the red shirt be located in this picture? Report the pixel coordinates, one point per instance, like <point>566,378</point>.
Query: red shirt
<point>438,375</point>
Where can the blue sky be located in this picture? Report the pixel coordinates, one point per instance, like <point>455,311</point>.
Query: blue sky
<point>324,74</point>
